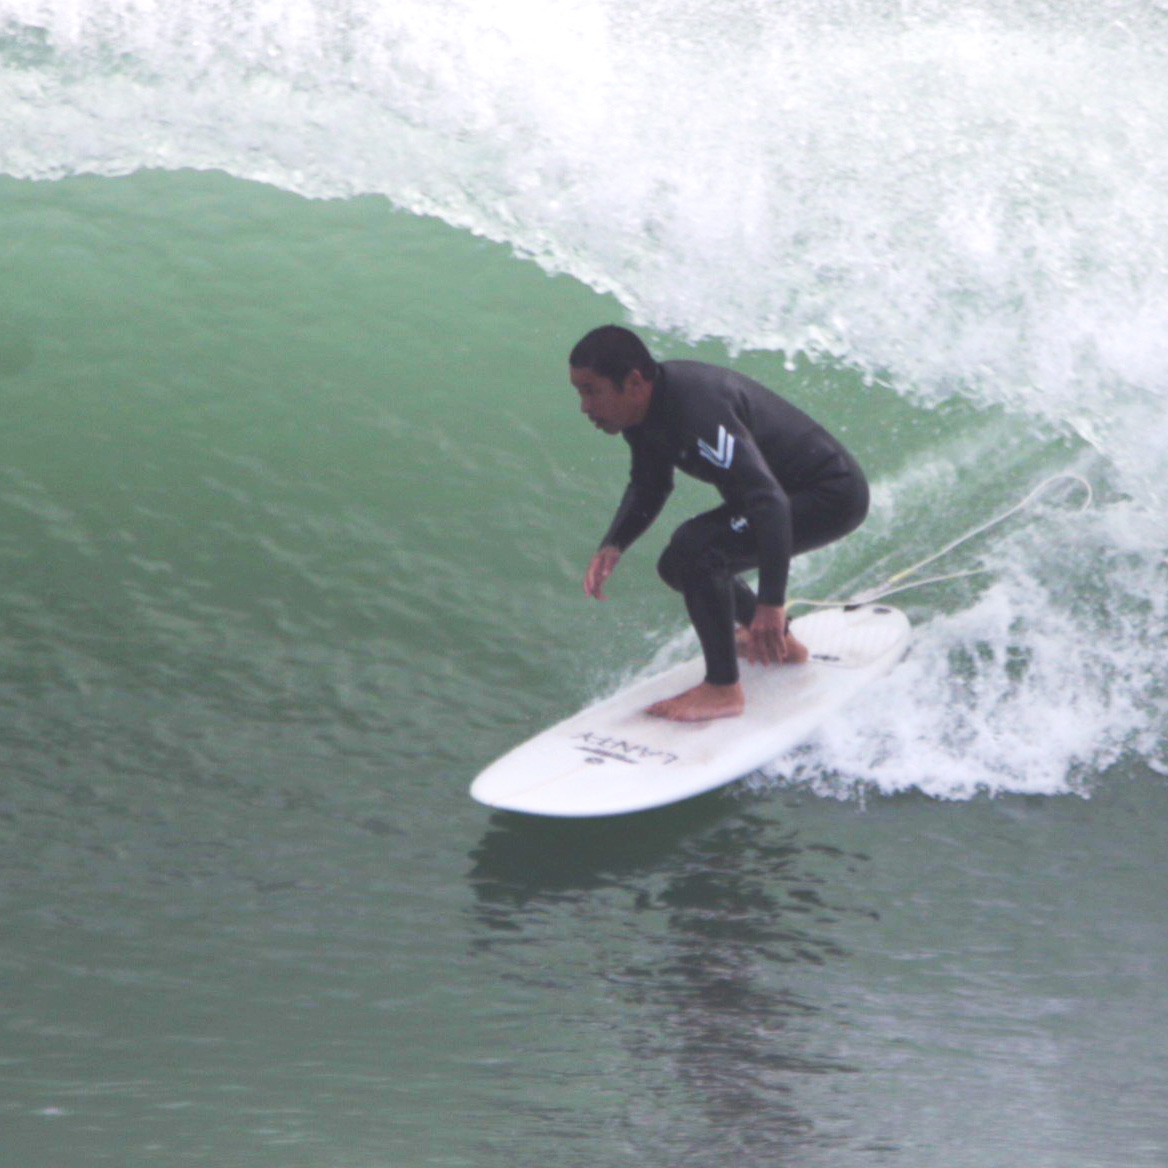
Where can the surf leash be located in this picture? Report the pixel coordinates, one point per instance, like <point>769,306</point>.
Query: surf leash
<point>903,580</point>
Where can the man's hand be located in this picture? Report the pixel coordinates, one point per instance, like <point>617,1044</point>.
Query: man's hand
<point>599,570</point>
<point>768,635</point>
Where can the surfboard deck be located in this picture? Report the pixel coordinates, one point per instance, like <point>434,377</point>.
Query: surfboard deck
<point>612,758</point>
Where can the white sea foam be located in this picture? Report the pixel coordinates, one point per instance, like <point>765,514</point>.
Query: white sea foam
<point>1015,693</point>
<point>970,198</point>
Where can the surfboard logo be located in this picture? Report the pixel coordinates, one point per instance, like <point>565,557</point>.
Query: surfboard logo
<point>601,747</point>
<point>722,454</point>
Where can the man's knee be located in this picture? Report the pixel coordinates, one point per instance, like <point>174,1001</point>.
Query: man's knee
<point>686,560</point>
<point>671,568</point>
<point>860,502</point>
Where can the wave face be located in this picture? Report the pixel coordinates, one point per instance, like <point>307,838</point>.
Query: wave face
<point>967,204</point>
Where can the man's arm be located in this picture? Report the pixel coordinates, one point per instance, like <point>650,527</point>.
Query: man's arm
<point>650,484</point>
<point>747,483</point>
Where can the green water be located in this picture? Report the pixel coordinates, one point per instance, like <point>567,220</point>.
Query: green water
<point>295,503</point>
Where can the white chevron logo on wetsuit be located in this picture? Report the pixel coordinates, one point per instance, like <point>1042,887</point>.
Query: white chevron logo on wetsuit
<point>723,453</point>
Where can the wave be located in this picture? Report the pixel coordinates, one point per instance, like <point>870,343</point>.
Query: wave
<point>966,199</point>
<point>965,202</point>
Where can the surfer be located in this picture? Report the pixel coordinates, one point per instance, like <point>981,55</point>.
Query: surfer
<point>787,487</point>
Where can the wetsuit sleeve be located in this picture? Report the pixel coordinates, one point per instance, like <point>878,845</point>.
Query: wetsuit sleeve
<point>650,484</point>
<point>745,481</point>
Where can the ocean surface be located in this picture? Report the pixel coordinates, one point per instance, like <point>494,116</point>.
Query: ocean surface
<point>295,504</point>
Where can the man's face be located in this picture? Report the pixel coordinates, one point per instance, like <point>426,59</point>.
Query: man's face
<point>609,407</point>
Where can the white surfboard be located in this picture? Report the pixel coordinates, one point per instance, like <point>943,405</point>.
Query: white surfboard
<point>613,758</point>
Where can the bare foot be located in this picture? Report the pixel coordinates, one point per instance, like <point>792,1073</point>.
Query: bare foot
<point>797,653</point>
<point>702,703</point>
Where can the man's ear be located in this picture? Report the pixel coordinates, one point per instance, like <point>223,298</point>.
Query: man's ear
<point>636,382</point>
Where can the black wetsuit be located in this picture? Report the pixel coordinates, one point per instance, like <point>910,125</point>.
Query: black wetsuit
<point>788,487</point>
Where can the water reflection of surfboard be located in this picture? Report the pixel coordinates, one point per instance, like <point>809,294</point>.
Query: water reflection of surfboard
<point>612,757</point>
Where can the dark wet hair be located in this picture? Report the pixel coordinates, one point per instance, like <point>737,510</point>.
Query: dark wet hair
<point>613,352</point>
